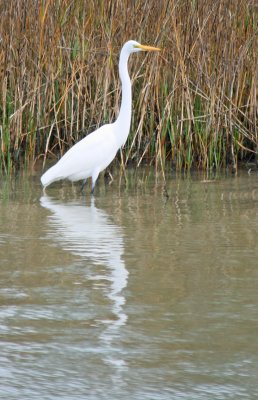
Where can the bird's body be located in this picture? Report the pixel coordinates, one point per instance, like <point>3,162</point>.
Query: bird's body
<point>86,158</point>
<point>94,153</point>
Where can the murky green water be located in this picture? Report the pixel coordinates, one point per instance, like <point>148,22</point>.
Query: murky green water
<point>127,295</point>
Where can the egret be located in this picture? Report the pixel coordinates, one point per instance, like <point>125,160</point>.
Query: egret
<point>94,153</point>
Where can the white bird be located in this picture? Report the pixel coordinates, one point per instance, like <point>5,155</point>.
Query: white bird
<point>94,153</point>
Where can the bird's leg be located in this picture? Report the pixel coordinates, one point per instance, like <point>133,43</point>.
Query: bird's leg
<point>93,180</point>
<point>82,185</point>
<point>92,185</point>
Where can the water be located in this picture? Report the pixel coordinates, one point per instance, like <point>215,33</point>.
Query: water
<point>129,295</point>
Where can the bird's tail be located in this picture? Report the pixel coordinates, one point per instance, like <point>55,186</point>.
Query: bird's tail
<point>50,176</point>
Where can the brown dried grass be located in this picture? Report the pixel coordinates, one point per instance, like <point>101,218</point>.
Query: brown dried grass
<point>194,104</point>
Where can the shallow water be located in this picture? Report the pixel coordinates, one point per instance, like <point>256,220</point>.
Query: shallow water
<point>128,295</point>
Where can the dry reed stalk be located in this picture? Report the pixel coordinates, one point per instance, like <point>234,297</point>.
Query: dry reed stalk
<point>194,105</point>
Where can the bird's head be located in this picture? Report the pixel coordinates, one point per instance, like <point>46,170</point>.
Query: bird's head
<point>133,47</point>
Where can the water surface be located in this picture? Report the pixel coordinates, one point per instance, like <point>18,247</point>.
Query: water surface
<point>129,294</point>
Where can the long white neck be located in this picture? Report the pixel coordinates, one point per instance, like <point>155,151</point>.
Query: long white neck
<point>123,121</point>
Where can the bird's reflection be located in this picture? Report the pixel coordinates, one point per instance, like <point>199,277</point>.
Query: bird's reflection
<point>89,232</point>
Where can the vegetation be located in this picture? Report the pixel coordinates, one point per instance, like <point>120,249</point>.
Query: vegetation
<point>194,104</point>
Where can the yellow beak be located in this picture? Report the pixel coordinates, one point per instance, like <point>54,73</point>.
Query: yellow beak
<point>147,48</point>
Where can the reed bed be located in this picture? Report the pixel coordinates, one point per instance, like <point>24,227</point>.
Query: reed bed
<point>194,103</point>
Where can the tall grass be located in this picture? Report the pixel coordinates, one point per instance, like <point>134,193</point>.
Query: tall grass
<point>194,104</point>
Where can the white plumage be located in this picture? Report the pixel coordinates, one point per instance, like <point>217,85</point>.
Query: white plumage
<point>95,152</point>
<point>86,158</point>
